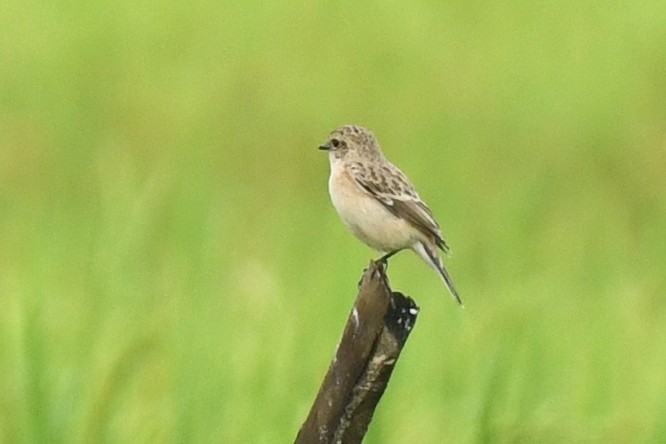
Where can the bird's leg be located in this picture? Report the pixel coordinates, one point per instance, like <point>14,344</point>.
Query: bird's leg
<point>384,259</point>
<point>384,263</point>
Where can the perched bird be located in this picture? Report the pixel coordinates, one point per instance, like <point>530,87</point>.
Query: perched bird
<point>377,202</point>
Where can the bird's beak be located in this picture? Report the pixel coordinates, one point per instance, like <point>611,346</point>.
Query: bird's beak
<point>325,147</point>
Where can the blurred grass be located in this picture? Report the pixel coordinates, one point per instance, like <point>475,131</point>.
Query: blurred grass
<point>171,269</point>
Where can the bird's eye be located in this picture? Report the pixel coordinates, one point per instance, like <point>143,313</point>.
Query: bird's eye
<point>335,143</point>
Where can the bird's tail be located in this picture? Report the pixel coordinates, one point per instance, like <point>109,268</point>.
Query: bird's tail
<point>431,257</point>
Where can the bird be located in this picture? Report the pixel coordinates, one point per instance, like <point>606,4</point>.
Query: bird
<point>379,204</point>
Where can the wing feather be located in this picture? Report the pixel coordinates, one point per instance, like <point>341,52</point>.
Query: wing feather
<point>401,200</point>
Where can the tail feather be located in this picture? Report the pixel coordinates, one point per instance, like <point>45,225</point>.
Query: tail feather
<point>430,256</point>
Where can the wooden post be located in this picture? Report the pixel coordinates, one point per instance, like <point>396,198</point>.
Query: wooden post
<point>376,331</point>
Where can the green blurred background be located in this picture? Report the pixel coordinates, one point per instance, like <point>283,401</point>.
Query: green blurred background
<point>171,268</point>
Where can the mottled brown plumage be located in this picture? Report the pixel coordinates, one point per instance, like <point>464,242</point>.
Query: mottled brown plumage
<point>377,201</point>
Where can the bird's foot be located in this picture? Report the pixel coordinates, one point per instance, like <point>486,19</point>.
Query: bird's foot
<point>384,259</point>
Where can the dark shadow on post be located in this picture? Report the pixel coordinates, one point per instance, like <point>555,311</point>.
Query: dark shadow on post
<point>376,331</point>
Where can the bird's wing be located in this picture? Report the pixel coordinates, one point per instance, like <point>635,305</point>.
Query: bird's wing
<point>391,188</point>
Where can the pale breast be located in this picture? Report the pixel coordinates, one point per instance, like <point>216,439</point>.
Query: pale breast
<point>366,217</point>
